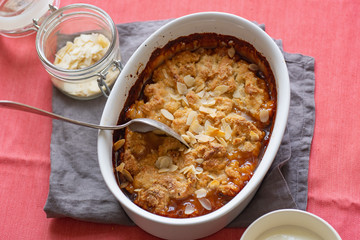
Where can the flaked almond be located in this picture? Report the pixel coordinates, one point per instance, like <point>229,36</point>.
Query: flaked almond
<point>201,94</point>
<point>204,138</point>
<point>190,134</point>
<point>227,130</point>
<point>186,138</point>
<point>185,100</point>
<point>253,67</point>
<point>211,176</point>
<point>241,90</point>
<point>192,137</point>
<point>165,73</point>
<point>191,169</point>
<point>175,97</point>
<point>214,132</point>
<point>201,193</point>
<point>199,160</point>
<point>210,111</point>
<point>189,209</point>
<point>127,175</point>
<point>208,102</point>
<point>205,203</point>
<point>189,80</point>
<point>196,127</point>
<point>118,144</point>
<point>181,149</point>
<point>264,115</point>
<point>200,87</point>
<point>191,116</point>
<point>207,95</point>
<point>187,169</point>
<point>221,141</point>
<point>237,93</point>
<point>188,151</point>
<point>181,88</point>
<point>124,184</point>
<point>220,90</point>
<point>199,170</point>
<point>167,114</point>
<point>162,170</point>
<point>191,89</point>
<point>173,168</point>
<point>120,167</point>
<point>207,125</point>
<point>231,52</point>
<point>207,110</point>
<point>163,162</point>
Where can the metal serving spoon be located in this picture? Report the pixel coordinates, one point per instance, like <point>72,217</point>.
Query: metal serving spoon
<point>136,125</point>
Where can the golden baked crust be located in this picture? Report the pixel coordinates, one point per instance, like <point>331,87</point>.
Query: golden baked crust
<point>221,104</point>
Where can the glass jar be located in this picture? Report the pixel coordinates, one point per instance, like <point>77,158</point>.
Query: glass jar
<point>65,24</point>
<point>16,16</point>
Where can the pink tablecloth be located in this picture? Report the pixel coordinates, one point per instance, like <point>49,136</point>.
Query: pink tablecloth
<point>326,30</point>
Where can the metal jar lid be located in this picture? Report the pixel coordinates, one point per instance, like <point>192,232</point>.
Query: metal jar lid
<point>16,16</point>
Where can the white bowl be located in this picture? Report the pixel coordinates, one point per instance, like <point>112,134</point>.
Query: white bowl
<point>221,23</point>
<point>290,224</point>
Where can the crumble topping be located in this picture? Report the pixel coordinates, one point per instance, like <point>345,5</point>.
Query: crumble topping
<point>217,102</point>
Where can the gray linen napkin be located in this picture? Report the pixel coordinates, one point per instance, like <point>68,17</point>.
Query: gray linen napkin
<point>77,189</point>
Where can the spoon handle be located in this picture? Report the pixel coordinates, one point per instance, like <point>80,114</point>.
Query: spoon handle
<point>31,109</point>
<point>137,125</point>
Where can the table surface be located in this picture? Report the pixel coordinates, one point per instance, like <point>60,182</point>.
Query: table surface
<point>326,30</point>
